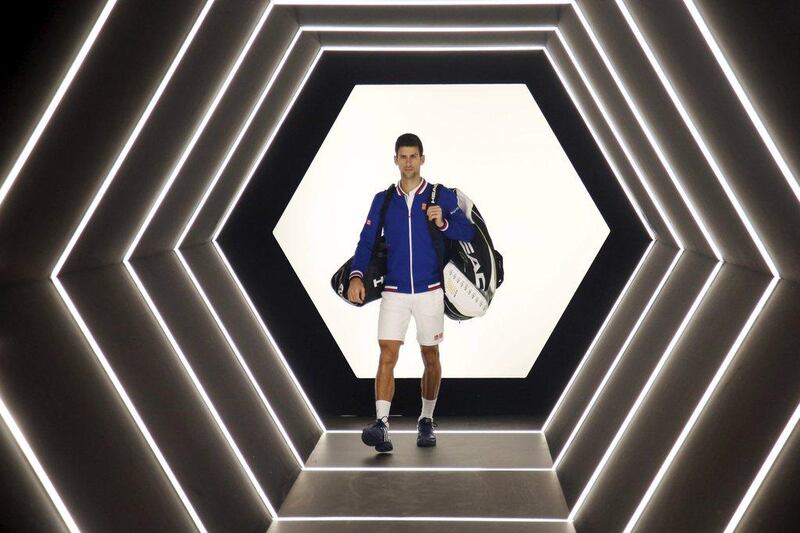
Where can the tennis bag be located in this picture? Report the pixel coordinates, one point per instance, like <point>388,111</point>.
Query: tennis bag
<point>473,270</point>
<point>376,270</point>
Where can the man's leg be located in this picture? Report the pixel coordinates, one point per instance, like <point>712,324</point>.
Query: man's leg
<point>377,434</point>
<point>432,377</point>
<point>393,321</point>
<point>429,316</point>
<point>384,380</point>
<point>430,391</point>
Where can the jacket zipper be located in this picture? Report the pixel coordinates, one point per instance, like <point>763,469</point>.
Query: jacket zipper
<point>410,250</point>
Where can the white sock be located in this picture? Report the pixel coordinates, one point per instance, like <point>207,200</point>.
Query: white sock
<point>382,410</point>
<point>427,408</point>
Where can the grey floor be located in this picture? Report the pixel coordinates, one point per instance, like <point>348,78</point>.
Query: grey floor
<point>496,480</point>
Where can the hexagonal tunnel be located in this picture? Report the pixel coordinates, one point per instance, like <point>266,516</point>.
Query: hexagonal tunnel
<point>133,356</point>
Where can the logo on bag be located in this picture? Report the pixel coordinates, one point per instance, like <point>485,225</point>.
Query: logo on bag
<point>377,282</point>
<point>480,278</point>
<point>341,289</point>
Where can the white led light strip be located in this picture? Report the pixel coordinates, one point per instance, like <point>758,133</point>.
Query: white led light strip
<point>240,359</point>
<point>126,400</point>
<point>687,429</point>
<point>437,49</point>
<point>455,431</point>
<point>132,139</point>
<point>390,3</point>
<point>698,138</point>
<point>419,519</point>
<point>763,471</point>
<point>648,134</point>
<point>198,131</point>
<point>600,388</point>
<point>422,468</point>
<point>271,339</point>
<point>643,393</point>
<point>426,29</point>
<point>33,461</point>
<point>56,100</point>
<point>743,98</point>
<point>199,387</point>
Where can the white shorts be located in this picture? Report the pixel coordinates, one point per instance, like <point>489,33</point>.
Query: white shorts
<point>397,309</point>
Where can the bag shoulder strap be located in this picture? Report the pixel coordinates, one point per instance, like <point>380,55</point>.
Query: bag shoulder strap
<point>386,199</point>
<point>433,199</point>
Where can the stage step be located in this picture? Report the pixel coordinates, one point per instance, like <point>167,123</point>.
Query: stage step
<point>455,450</point>
<point>373,526</point>
<point>493,477</point>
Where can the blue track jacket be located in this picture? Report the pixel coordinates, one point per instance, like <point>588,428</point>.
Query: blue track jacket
<point>412,265</point>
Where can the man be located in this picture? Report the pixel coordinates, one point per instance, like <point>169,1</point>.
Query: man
<point>412,285</point>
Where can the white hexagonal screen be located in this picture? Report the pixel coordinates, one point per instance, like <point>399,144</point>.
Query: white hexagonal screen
<point>493,143</point>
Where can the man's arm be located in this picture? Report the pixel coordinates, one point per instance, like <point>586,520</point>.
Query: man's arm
<point>456,226</point>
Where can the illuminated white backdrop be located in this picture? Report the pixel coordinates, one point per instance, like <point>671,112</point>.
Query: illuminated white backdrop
<point>493,143</point>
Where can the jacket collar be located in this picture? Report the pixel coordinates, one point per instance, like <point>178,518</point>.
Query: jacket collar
<point>420,188</point>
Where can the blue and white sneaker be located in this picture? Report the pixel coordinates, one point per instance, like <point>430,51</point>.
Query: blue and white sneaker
<point>377,434</point>
<point>425,436</point>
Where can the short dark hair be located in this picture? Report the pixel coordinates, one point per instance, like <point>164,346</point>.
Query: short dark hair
<point>408,139</point>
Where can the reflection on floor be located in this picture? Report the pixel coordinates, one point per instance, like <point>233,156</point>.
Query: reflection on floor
<point>482,477</point>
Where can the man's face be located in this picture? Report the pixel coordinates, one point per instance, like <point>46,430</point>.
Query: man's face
<point>408,161</point>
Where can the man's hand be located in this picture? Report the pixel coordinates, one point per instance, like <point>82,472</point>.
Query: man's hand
<point>435,214</point>
<point>356,291</point>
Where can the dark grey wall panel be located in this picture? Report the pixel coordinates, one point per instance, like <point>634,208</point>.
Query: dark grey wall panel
<point>219,135</point>
<point>615,155</point>
<point>168,131</point>
<point>24,504</point>
<point>775,504</point>
<point>420,15</point>
<point>94,120</point>
<point>691,168</point>
<point>762,44</point>
<point>166,399</point>
<point>255,347</point>
<point>259,132</point>
<point>737,428</point>
<point>632,372</point>
<point>220,373</point>
<point>731,137</point>
<point>75,422</point>
<point>633,135</point>
<point>607,346</point>
<point>36,64</point>
<point>680,385</point>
